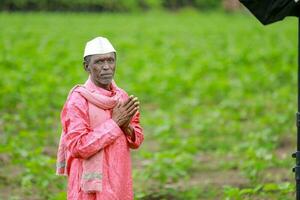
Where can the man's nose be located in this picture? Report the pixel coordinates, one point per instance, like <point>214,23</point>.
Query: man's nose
<point>105,65</point>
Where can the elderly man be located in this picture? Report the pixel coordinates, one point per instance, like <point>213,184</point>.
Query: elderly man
<point>100,124</point>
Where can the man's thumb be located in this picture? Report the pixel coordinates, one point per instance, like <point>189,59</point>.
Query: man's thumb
<point>118,104</point>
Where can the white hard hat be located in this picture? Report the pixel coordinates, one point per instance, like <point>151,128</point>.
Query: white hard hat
<point>98,45</point>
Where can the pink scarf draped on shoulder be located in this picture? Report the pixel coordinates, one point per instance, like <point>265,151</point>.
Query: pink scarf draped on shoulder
<point>92,169</point>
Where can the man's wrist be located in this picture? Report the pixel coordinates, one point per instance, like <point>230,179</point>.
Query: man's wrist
<point>128,130</point>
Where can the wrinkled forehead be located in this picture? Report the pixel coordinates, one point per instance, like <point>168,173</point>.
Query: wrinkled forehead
<point>103,56</point>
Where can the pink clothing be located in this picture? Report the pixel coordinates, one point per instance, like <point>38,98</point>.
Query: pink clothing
<point>87,133</point>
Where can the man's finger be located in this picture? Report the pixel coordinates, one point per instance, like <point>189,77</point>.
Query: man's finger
<point>118,104</point>
<point>131,114</point>
<point>128,100</point>
<point>133,111</point>
<point>129,104</point>
<point>137,109</point>
<point>135,104</point>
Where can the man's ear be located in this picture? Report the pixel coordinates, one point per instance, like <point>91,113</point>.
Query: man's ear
<point>86,66</point>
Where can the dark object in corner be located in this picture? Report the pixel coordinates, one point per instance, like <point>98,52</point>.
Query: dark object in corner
<point>269,11</point>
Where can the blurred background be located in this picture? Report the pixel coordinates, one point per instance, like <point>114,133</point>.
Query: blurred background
<point>217,92</point>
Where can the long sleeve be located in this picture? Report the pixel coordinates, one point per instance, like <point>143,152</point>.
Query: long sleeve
<point>137,137</point>
<point>81,140</point>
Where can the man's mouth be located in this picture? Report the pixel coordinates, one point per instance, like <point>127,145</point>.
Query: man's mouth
<point>106,75</point>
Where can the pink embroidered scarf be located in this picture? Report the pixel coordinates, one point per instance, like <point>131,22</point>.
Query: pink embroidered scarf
<point>91,180</point>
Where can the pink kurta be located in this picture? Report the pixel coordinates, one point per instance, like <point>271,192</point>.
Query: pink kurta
<point>83,141</point>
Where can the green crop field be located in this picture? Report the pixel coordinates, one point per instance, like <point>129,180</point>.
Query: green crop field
<point>217,91</point>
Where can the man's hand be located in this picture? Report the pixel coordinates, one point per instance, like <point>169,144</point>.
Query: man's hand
<point>123,112</point>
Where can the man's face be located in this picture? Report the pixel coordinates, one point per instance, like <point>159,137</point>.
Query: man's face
<point>101,68</point>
